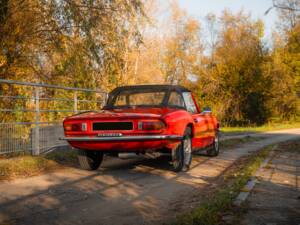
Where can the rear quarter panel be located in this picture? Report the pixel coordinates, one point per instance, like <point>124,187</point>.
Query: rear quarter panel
<point>177,122</point>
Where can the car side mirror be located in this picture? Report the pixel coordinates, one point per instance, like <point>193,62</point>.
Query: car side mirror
<point>206,110</point>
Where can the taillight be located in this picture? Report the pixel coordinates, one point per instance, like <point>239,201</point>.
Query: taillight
<point>75,127</point>
<point>151,125</point>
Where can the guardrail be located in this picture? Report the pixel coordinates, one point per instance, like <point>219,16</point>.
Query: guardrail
<point>39,136</point>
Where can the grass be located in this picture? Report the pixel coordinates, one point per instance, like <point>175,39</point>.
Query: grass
<point>211,210</point>
<point>266,127</point>
<point>25,166</point>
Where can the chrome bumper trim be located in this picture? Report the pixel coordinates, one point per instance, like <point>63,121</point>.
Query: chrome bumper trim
<point>125,138</point>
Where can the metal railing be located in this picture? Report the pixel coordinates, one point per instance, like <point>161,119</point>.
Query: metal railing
<point>35,135</point>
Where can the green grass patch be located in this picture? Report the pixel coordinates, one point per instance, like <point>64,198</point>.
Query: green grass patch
<point>266,127</point>
<point>211,210</point>
<point>25,166</point>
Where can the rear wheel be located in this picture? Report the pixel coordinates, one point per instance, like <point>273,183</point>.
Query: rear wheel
<point>182,155</point>
<point>89,160</point>
<point>214,151</point>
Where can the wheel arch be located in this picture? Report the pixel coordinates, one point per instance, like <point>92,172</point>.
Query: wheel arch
<point>191,126</point>
<point>218,126</point>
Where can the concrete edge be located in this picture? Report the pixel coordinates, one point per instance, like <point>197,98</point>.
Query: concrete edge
<point>246,190</point>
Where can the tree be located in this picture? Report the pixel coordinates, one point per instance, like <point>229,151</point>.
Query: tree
<point>283,70</point>
<point>183,48</point>
<point>74,43</point>
<point>234,83</point>
<point>281,92</point>
<point>283,65</point>
<point>212,31</point>
<point>39,36</point>
<point>289,11</point>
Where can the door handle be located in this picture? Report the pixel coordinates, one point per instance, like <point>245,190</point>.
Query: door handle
<point>196,120</point>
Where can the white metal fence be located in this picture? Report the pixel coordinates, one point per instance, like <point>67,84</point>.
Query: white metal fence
<point>38,136</point>
<point>15,138</point>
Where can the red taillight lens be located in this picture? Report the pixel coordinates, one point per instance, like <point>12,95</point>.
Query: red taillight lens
<point>151,125</point>
<point>75,127</point>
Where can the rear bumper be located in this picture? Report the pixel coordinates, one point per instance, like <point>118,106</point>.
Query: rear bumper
<point>124,138</point>
<point>124,143</point>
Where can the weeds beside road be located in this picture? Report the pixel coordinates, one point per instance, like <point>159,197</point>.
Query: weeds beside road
<point>211,210</point>
<point>220,204</point>
<point>275,199</point>
<point>25,166</point>
<point>259,129</point>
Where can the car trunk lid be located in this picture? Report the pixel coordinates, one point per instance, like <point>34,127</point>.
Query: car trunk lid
<point>122,114</point>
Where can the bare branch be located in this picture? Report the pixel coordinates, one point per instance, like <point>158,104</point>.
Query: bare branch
<point>281,6</point>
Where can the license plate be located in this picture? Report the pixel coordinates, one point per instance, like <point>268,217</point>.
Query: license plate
<point>110,126</point>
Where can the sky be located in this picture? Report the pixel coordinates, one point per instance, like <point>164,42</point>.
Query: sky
<point>257,8</point>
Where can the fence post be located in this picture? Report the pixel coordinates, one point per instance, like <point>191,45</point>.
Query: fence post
<point>75,102</point>
<point>36,140</point>
<point>105,99</point>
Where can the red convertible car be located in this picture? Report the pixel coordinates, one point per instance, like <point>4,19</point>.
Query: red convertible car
<point>161,119</point>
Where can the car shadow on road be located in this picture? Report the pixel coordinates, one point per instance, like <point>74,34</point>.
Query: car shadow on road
<point>126,185</point>
<point>123,192</point>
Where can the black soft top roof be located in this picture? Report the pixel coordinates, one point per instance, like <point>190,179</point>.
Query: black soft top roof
<point>152,87</point>
<point>144,88</point>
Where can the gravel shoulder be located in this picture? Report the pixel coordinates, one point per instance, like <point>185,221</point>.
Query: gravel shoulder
<point>122,192</point>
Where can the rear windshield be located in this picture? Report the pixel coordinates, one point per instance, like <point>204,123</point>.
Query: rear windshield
<point>128,98</point>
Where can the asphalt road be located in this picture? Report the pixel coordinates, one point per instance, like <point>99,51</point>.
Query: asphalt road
<point>122,192</point>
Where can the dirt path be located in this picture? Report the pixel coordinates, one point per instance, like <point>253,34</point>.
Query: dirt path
<point>122,192</point>
<point>266,134</point>
<point>276,198</point>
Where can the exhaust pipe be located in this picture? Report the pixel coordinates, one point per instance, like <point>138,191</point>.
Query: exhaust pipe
<point>127,155</point>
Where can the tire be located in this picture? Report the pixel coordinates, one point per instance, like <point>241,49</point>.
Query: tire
<point>215,149</point>
<point>182,154</point>
<point>89,160</point>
